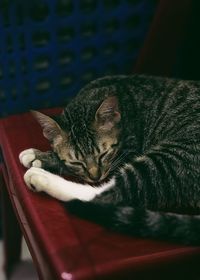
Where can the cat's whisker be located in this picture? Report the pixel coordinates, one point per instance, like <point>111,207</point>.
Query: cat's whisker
<point>121,157</point>
<point>118,161</point>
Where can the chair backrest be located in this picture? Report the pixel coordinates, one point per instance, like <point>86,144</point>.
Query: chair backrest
<point>49,49</point>
<point>163,52</point>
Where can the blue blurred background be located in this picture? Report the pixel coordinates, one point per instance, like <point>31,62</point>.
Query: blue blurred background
<point>49,49</point>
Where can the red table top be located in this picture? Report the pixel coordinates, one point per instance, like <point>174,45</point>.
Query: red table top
<point>71,247</point>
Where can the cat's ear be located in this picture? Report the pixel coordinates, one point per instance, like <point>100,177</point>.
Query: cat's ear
<point>51,129</point>
<point>108,115</point>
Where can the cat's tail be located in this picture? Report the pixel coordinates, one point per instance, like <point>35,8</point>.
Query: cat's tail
<point>160,225</point>
<point>179,228</point>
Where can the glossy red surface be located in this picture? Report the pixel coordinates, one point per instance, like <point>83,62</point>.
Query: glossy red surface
<point>66,247</point>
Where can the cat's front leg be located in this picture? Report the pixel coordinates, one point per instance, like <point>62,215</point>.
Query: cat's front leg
<point>29,158</point>
<point>38,179</point>
<point>35,158</point>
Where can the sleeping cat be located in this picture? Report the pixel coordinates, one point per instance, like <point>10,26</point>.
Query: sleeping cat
<point>131,145</point>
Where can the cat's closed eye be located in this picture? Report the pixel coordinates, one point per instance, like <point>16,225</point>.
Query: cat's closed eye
<point>107,156</point>
<point>77,163</point>
<point>115,145</point>
<point>102,156</point>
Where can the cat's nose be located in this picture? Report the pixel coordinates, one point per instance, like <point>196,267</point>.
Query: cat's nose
<point>94,173</point>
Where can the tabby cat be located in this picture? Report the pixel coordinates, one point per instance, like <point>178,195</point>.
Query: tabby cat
<point>131,145</point>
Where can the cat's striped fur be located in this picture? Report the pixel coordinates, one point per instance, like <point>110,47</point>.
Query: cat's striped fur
<point>152,127</point>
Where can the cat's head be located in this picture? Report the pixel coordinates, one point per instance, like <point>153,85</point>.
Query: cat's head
<point>87,148</point>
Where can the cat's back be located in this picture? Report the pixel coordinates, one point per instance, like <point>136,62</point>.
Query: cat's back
<point>162,106</point>
<point>168,110</point>
<point>142,88</point>
<point>163,109</point>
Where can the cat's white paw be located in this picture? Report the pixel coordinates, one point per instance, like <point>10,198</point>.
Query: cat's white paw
<point>28,158</point>
<point>36,179</point>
